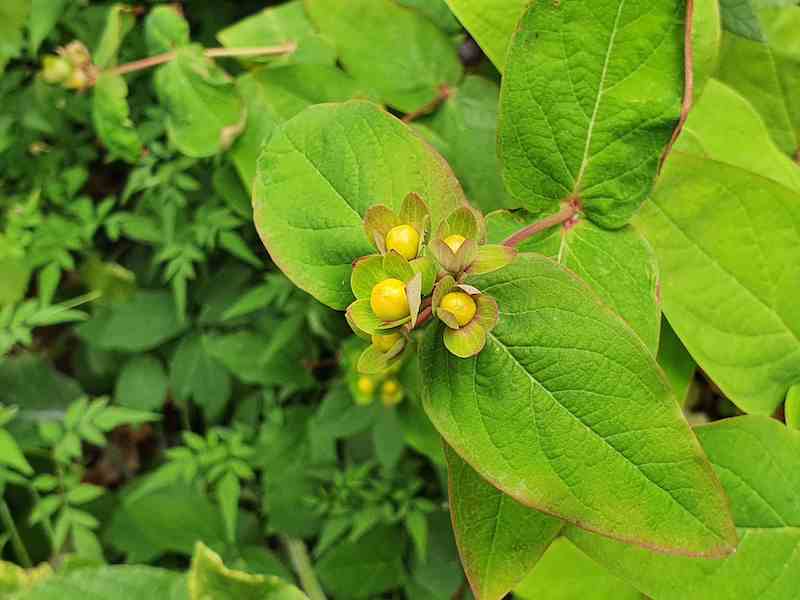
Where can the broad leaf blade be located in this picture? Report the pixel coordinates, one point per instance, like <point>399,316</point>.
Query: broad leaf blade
<point>499,540</point>
<point>590,98</point>
<point>756,460</point>
<point>566,411</point>
<point>318,176</point>
<point>491,23</point>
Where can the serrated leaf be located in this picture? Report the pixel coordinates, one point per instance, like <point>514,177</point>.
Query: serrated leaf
<point>566,573</point>
<point>492,23</point>
<point>467,122</point>
<point>205,112</point>
<point>590,98</point>
<point>396,51</point>
<point>142,384</point>
<point>210,579</point>
<point>581,424</point>
<point>755,458</point>
<point>499,539</point>
<point>277,25</point>
<point>318,176</point>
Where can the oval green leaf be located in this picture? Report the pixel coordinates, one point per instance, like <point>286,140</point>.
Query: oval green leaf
<point>566,411</point>
<point>111,117</point>
<point>318,176</point>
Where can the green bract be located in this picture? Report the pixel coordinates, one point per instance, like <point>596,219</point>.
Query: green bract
<point>468,339</point>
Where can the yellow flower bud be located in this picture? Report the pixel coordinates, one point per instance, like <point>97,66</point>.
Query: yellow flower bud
<point>384,343</point>
<point>391,392</point>
<point>389,301</point>
<point>404,240</point>
<point>78,80</point>
<point>365,385</point>
<point>461,305</point>
<point>454,242</point>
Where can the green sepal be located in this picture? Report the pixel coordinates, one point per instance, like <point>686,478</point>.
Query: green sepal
<point>367,273</point>
<point>414,296</point>
<point>463,221</point>
<point>443,255</point>
<point>378,221</point>
<point>445,286</point>
<point>356,329</point>
<point>360,314</point>
<point>491,258</point>
<point>466,341</point>
<point>373,362</point>
<point>397,267</point>
<point>448,318</point>
<point>415,212</point>
<point>425,266</point>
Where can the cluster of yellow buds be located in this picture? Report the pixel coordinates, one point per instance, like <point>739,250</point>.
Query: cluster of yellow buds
<point>70,68</point>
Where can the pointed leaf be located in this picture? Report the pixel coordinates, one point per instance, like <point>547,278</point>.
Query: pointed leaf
<point>567,412</point>
<point>590,98</point>
<point>491,258</point>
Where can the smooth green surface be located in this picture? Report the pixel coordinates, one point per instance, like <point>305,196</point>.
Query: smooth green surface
<point>724,226</point>
<point>44,16</point>
<point>13,16</point>
<point>467,125</point>
<point>591,95</point>
<point>499,539</point>
<point>210,579</point>
<point>204,111</point>
<point>120,20</point>
<point>437,11</point>
<point>165,29</point>
<point>111,117</point>
<point>397,51</point>
<point>566,411</point>
<point>566,573</point>
<point>103,583</point>
<point>364,568</point>
<point>619,265</point>
<point>756,460</point>
<point>320,173</point>
<point>760,58</point>
<point>706,42</point>
<point>142,383</point>
<point>195,375</point>
<point>792,407</point>
<point>491,23</point>
<point>275,95</point>
<point>277,25</point>
<point>678,364</point>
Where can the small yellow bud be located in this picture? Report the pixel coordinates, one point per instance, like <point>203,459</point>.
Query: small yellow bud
<point>461,305</point>
<point>404,240</point>
<point>384,343</point>
<point>389,301</point>
<point>365,385</point>
<point>454,242</point>
<point>391,392</point>
<point>78,80</point>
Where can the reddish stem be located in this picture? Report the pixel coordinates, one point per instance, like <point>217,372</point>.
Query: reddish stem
<point>564,215</point>
<point>688,86</point>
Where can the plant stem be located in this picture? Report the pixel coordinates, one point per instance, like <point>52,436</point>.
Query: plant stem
<point>565,214</point>
<point>160,59</point>
<point>16,540</point>
<point>301,562</point>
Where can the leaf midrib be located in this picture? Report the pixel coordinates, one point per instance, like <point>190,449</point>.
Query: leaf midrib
<point>595,434</point>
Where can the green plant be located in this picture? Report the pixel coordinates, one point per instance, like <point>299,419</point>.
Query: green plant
<point>522,358</point>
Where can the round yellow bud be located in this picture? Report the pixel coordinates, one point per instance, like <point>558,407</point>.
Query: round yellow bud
<point>365,385</point>
<point>389,301</point>
<point>391,392</point>
<point>55,69</point>
<point>454,242</point>
<point>404,240</point>
<point>78,80</point>
<point>461,305</point>
<point>384,343</point>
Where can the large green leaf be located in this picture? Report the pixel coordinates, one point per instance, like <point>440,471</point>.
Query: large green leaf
<point>566,411</point>
<point>205,112</point>
<point>278,25</point>
<point>275,95</point>
<point>467,125</point>
<point>619,265</point>
<point>111,117</point>
<point>499,539</point>
<point>102,583</point>
<point>756,459</point>
<point>678,364</point>
<point>760,58</point>
<point>491,22</point>
<point>706,42</point>
<point>210,579</point>
<point>45,14</point>
<point>437,11</point>
<point>731,299</point>
<point>320,173</point>
<point>566,573</point>
<point>398,52</point>
<point>590,98</point>
<point>166,29</point>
